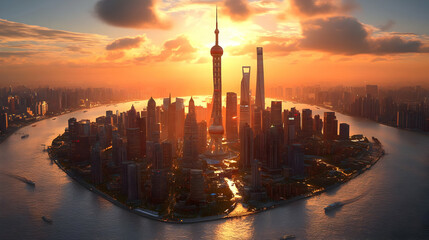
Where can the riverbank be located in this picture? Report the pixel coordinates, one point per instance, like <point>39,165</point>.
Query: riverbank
<point>376,154</point>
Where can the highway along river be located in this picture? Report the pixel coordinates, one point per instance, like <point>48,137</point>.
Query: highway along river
<point>390,201</point>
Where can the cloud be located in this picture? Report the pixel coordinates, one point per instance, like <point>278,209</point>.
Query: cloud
<point>16,54</point>
<point>178,49</point>
<point>126,43</point>
<point>273,46</point>
<point>387,26</point>
<point>19,31</point>
<point>336,35</point>
<point>346,35</point>
<point>238,10</point>
<point>131,14</point>
<point>394,44</point>
<point>111,56</point>
<point>309,8</point>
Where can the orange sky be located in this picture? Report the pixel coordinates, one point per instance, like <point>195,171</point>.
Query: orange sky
<point>319,42</point>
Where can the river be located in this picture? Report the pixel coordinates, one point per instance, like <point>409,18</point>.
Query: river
<point>392,197</point>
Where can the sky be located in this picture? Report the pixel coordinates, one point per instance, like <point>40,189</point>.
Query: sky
<point>165,44</point>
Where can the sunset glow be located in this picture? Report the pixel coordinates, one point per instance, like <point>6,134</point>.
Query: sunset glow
<point>167,43</point>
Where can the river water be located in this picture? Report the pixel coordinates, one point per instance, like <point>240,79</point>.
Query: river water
<point>392,197</point>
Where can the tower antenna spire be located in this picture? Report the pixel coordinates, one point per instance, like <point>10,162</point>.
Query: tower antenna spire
<point>217,30</point>
<point>216,16</point>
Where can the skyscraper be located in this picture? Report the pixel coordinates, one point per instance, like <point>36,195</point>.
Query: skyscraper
<point>216,129</point>
<point>307,123</point>
<point>245,97</point>
<point>276,113</point>
<point>260,88</point>
<point>202,136</point>
<point>330,126</point>
<point>344,131</point>
<point>96,164</point>
<point>246,146</point>
<point>180,117</point>
<point>151,119</point>
<point>133,143</point>
<point>231,117</point>
<point>132,117</point>
<point>190,141</point>
<point>274,148</point>
<point>141,124</point>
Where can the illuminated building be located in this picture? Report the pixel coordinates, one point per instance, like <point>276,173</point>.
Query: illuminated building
<point>231,117</point>
<point>260,85</point>
<point>216,129</point>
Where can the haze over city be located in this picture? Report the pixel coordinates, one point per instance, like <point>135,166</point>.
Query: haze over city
<point>153,44</point>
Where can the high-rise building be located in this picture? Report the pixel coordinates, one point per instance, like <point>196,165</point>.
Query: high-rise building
<point>274,148</point>
<point>276,113</point>
<point>191,108</point>
<point>257,121</point>
<point>246,146</point>
<point>141,124</point>
<point>245,97</point>
<point>202,137</point>
<point>231,117</point>
<point>307,123</point>
<point>317,124</point>
<point>134,182</point>
<point>132,117</point>
<point>190,141</point>
<point>216,129</point>
<point>96,164</point>
<point>159,191</point>
<point>151,119</point>
<point>3,122</point>
<point>266,120</point>
<point>197,186</point>
<point>158,159</point>
<point>289,127</point>
<point>133,144</point>
<point>296,159</point>
<point>172,123</point>
<point>167,154</point>
<point>260,85</point>
<point>256,176</point>
<point>124,177</point>
<point>180,117</point>
<point>344,131</point>
<point>330,126</point>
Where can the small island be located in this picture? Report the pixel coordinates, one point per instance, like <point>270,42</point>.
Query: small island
<point>175,175</point>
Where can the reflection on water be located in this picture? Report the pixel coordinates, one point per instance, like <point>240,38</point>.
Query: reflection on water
<point>396,206</point>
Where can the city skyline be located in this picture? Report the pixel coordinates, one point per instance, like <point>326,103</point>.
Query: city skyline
<point>120,51</point>
<point>298,119</point>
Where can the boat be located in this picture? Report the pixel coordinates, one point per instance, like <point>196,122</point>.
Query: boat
<point>25,136</point>
<point>47,220</point>
<point>29,182</point>
<point>333,206</point>
<point>287,237</point>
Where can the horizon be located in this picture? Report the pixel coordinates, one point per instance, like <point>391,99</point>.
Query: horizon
<point>90,45</point>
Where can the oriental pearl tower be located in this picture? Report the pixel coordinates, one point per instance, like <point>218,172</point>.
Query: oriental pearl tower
<point>216,129</point>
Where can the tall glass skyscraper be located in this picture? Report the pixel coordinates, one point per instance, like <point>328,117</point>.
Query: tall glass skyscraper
<point>260,85</point>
